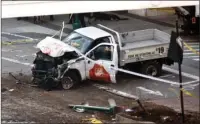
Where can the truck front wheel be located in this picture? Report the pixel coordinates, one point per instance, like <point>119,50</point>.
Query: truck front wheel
<point>152,68</point>
<point>70,80</point>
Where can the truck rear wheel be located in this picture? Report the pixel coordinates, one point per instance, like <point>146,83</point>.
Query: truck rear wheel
<point>152,68</point>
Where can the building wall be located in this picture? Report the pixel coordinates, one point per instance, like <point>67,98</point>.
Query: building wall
<point>152,12</point>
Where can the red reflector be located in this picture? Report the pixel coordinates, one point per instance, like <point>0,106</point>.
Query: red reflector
<point>193,20</point>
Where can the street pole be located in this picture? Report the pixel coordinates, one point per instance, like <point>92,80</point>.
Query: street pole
<point>180,79</point>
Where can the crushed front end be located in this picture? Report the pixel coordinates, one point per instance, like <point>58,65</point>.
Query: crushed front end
<point>47,71</point>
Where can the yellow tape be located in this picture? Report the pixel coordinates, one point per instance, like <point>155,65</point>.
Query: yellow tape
<point>184,91</point>
<point>190,48</point>
<point>188,93</point>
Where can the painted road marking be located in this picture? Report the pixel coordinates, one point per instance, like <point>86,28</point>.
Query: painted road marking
<point>183,73</point>
<point>169,75</point>
<point>189,86</point>
<point>190,50</point>
<point>196,59</point>
<point>17,35</point>
<point>194,46</point>
<point>193,43</point>
<point>10,50</point>
<point>184,91</point>
<point>158,93</point>
<point>17,61</point>
<point>189,53</point>
<point>191,57</point>
<point>22,56</point>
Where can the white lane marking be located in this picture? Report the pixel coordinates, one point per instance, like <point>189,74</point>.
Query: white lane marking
<point>168,75</point>
<point>190,50</point>
<point>22,56</point>
<point>17,35</point>
<point>187,87</point>
<point>3,50</point>
<point>183,73</point>
<point>196,59</point>
<point>10,50</point>
<point>150,91</point>
<point>191,57</point>
<point>189,53</point>
<point>16,61</point>
<point>193,43</point>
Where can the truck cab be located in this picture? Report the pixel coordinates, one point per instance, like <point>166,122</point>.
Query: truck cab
<point>100,48</point>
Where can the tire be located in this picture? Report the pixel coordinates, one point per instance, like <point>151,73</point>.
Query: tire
<point>70,80</point>
<point>152,68</point>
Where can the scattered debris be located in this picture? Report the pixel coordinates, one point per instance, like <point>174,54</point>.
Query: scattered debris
<point>3,90</point>
<point>17,80</point>
<point>122,119</point>
<point>85,107</point>
<point>165,118</point>
<point>11,90</point>
<point>93,120</point>
<point>120,93</point>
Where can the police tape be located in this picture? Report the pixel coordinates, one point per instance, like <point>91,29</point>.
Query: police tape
<point>191,49</point>
<point>184,91</point>
<point>135,73</point>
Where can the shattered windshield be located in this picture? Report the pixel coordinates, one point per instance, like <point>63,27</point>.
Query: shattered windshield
<point>78,41</point>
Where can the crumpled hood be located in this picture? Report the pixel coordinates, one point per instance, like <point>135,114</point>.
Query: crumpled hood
<point>54,47</point>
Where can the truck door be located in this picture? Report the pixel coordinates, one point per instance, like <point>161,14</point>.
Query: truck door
<point>102,58</point>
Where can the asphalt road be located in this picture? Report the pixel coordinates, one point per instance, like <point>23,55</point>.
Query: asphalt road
<point>18,58</point>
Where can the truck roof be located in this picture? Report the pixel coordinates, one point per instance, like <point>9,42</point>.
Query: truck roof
<point>92,32</point>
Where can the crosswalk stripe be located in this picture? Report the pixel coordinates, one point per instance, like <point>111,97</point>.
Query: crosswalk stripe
<point>189,54</point>
<point>196,59</point>
<point>193,43</point>
<point>190,50</point>
<point>194,46</point>
<point>191,57</point>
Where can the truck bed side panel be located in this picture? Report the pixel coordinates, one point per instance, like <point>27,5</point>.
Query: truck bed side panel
<point>145,45</point>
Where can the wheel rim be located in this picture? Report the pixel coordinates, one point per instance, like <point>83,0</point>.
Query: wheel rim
<point>67,83</point>
<point>151,70</point>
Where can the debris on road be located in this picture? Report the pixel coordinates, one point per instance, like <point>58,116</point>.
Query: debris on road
<point>120,93</point>
<point>85,107</point>
<point>113,109</point>
<point>17,80</point>
<point>93,120</point>
<point>11,90</point>
<point>3,90</point>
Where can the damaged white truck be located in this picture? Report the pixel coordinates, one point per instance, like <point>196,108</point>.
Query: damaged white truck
<point>61,62</point>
